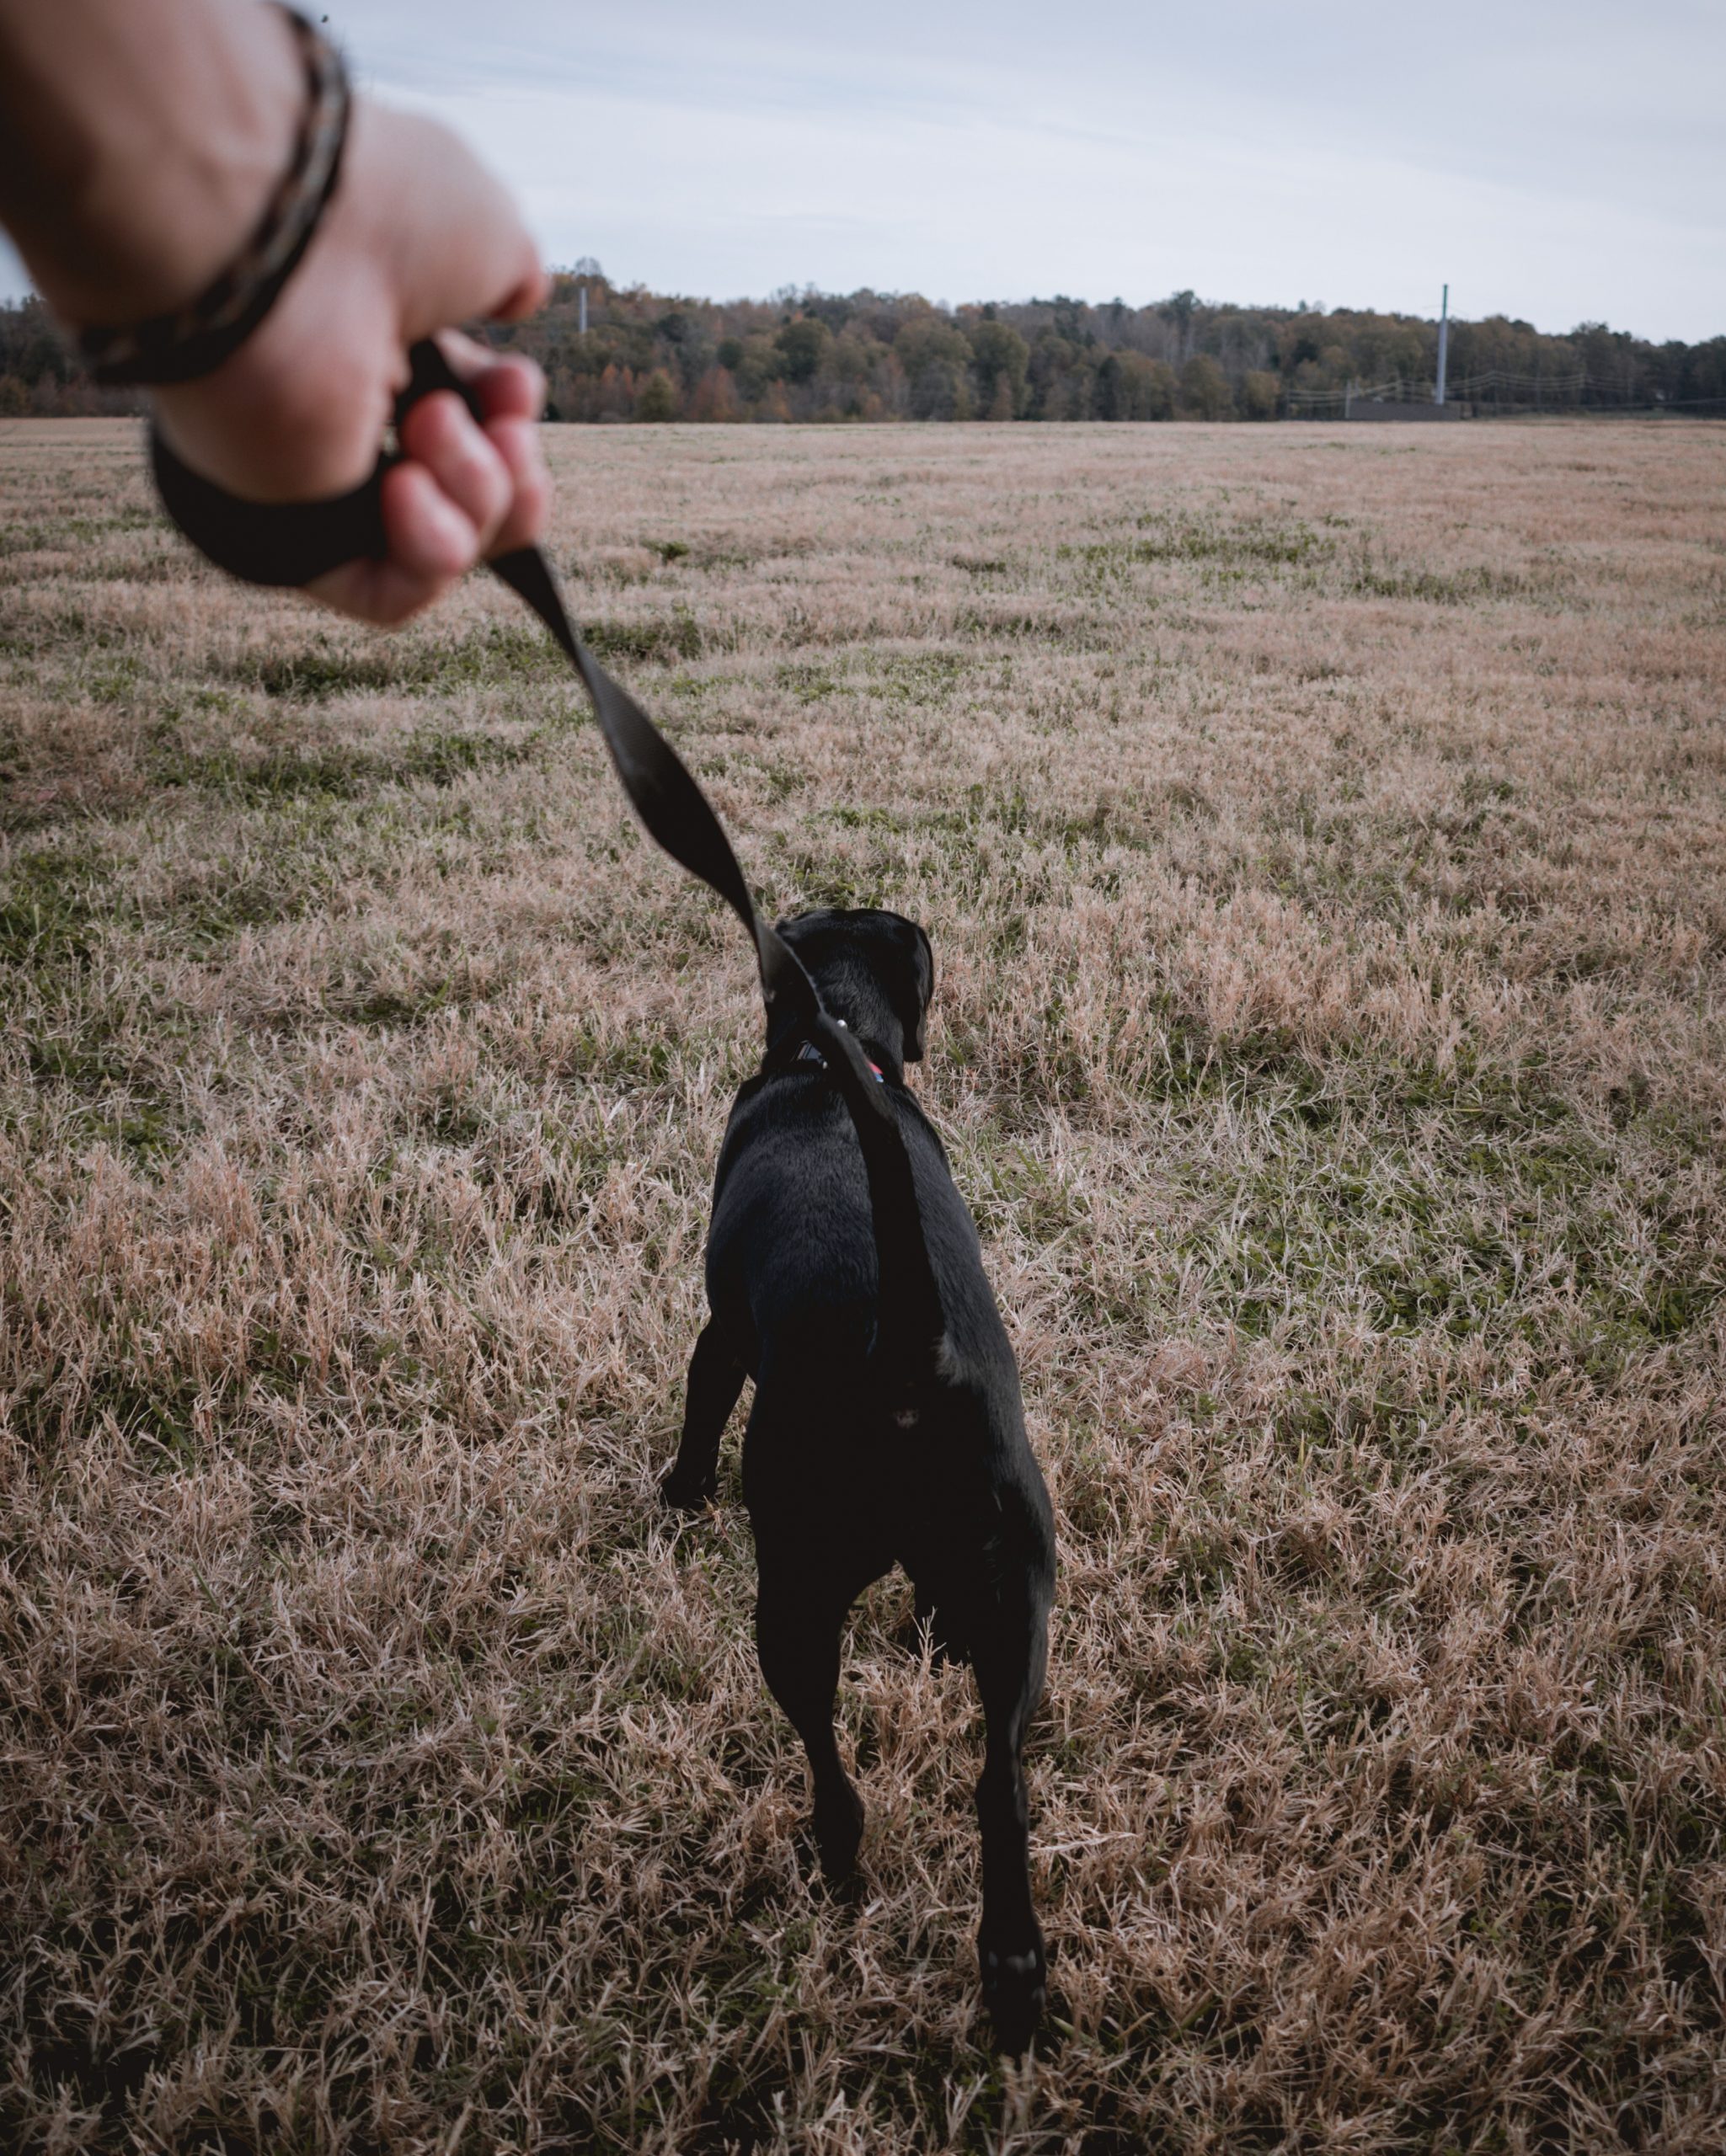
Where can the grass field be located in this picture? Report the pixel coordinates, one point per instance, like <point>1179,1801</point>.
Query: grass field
<point>1322,835</point>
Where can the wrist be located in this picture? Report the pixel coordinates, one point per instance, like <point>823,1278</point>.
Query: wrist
<point>148,168</point>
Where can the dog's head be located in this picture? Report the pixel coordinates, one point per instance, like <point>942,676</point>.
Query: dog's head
<point>875,970</point>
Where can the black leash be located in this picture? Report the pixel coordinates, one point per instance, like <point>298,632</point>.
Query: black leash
<point>291,543</point>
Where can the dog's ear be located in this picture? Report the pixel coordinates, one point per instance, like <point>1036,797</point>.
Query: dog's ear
<point>914,991</point>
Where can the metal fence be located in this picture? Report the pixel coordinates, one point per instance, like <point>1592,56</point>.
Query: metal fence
<point>1493,392</point>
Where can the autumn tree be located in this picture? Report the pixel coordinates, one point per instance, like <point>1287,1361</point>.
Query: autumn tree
<point>936,359</point>
<point>715,397</point>
<point>1055,393</point>
<point>759,364</point>
<point>1148,388</point>
<point>803,345</point>
<point>658,397</point>
<point>868,354</point>
<point>1204,390</point>
<point>1177,310</point>
<point>999,358</point>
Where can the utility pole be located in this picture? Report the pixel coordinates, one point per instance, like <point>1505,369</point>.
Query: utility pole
<point>1444,342</point>
<point>588,270</point>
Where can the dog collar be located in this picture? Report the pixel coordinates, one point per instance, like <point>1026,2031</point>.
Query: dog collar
<point>809,1053</point>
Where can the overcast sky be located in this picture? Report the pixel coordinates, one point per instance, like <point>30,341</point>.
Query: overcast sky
<point>1558,162</point>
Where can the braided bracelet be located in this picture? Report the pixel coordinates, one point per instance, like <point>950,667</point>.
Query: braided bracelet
<point>195,339</point>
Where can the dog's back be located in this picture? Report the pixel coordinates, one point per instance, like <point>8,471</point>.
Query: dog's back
<point>793,1233</point>
<point>794,1274</point>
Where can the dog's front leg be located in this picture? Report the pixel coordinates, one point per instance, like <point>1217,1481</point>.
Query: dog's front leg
<point>715,1379</point>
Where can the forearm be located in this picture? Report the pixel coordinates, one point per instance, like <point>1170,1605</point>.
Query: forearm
<point>139,142</point>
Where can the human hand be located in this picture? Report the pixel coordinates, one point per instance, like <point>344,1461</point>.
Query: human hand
<point>419,235</point>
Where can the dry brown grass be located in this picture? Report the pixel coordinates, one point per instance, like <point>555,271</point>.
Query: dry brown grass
<point>1323,839</point>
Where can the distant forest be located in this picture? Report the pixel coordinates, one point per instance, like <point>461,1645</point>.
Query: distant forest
<point>869,355</point>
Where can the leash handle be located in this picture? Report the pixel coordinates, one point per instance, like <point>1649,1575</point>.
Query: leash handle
<point>291,543</point>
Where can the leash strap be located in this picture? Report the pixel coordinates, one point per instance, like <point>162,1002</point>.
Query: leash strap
<point>292,542</point>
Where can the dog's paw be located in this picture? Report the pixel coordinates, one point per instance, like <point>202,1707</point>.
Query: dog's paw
<point>688,1494</point>
<point>1015,1988</point>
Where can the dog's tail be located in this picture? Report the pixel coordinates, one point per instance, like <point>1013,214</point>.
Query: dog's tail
<point>911,1327</point>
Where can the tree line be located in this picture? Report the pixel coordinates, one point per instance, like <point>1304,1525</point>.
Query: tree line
<point>812,355</point>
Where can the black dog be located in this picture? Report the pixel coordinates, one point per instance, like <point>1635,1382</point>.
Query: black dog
<point>845,1277</point>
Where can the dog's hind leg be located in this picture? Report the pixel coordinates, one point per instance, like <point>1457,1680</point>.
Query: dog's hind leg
<point>797,1622</point>
<point>715,1379</point>
<point>1008,1653</point>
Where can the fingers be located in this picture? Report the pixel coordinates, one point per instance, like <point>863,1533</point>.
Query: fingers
<point>511,392</point>
<point>517,442</point>
<point>464,493</point>
<point>429,535</point>
<point>462,462</point>
<point>510,385</point>
<point>432,544</point>
<point>495,476</point>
